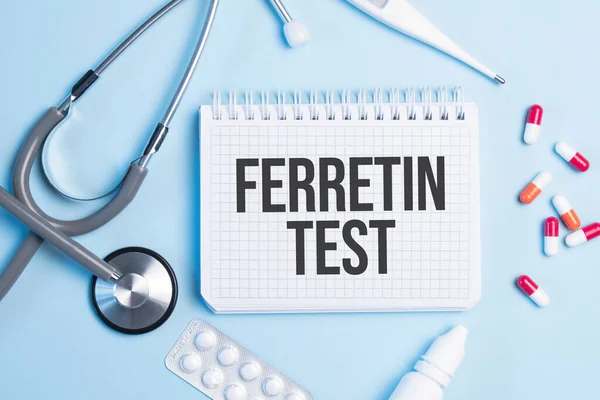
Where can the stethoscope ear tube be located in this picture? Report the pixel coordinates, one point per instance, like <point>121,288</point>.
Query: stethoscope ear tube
<point>22,190</point>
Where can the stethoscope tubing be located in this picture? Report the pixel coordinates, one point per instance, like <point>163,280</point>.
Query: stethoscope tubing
<point>49,233</point>
<point>23,206</point>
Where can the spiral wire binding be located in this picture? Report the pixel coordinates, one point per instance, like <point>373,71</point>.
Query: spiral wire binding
<point>459,100</point>
<point>249,106</point>
<point>443,100</point>
<point>281,110</point>
<point>330,104</point>
<point>363,107</point>
<point>265,113</point>
<point>217,104</point>
<point>233,114</point>
<point>426,99</point>
<point>298,113</point>
<point>313,105</point>
<point>378,102</point>
<point>395,101</point>
<point>346,104</point>
<point>411,99</point>
<point>362,104</point>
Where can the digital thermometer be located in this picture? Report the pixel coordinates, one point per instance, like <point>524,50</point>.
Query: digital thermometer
<point>402,16</point>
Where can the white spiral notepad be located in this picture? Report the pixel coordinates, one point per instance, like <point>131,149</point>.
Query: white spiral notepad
<point>367,201</point>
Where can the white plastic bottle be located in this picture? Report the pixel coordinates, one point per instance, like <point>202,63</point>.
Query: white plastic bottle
<point>434,371</point>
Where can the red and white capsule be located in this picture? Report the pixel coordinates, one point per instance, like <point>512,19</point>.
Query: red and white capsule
<point>533,125</point>
<point>583,235</point>
<point>551,240</point>
<point>572,156</point>
<point>531,289</point>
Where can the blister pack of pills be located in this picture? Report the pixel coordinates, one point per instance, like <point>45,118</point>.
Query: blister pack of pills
<point>219,367</point>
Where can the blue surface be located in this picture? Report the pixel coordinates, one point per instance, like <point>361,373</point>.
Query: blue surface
<point>52,345</point>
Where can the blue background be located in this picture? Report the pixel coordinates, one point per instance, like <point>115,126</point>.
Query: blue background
<point>52,345</point>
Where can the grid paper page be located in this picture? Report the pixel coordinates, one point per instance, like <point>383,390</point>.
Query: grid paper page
<point>397,257</point>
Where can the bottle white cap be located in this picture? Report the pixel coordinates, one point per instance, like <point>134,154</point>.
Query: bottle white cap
<point>444,355</point>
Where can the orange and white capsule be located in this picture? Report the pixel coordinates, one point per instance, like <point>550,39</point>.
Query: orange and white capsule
<point>566,212</point>
<point>531,289</point>
<point>536,186</point>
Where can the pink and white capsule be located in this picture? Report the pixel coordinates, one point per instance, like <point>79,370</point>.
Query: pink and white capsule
<point>531,289</point>
<point>572,156</point>
<point>532,127</point>
<point>551,240</point>
<point>583,235</point>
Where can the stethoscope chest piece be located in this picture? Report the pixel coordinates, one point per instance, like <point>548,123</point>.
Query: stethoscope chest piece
<point>143,298</point>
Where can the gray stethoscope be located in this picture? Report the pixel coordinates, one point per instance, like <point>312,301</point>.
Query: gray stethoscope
<point>137,289</point>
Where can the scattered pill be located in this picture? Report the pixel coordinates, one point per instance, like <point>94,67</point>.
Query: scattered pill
<point>551,241</point>
<point>536,186</point>
<point>235,392</point>
<point>572,156</point>
<point>205,340</point>
<point>249,371</point>
<point>531,289</point>
<point>583,235</point>
<point>534,120</point>
<point>566,212</point>
<point>227,356</point>
<point>190,363</point>
<point>272,386</point>
<point>212,378</point>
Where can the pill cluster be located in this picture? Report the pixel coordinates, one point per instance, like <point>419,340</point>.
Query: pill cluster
<point>562,205</point>
<point>223,370</point>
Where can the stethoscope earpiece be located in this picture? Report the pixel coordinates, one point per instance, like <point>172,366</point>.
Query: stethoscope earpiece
<point>295,32</point>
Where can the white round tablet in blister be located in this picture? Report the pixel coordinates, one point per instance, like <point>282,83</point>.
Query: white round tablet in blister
<point>235,392</point>
<point>212,378</point>
<point>294,396</point>
<point>272,386</point>
<point>227,356</point>
<point>205,340</point>
<point>190,363</point>
<point>249,371</point>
